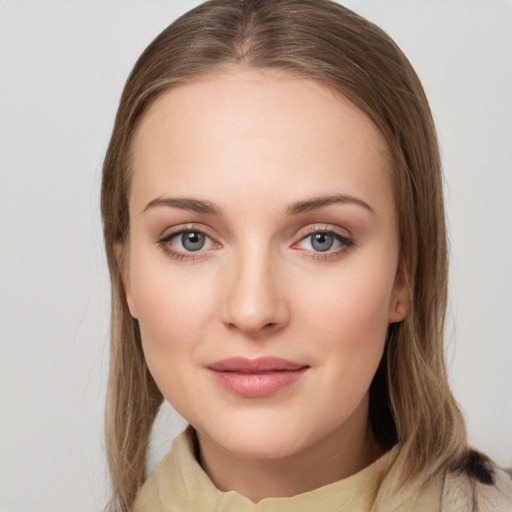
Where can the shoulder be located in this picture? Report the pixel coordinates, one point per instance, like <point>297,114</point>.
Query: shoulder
<point>462,493</point>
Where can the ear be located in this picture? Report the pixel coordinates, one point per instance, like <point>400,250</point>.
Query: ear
<point>123,265</point>
<point>400,298</point>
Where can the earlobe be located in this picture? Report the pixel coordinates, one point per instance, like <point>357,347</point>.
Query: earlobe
<point>122,260</point>
<point>398,313</point>
<point>400,299</point>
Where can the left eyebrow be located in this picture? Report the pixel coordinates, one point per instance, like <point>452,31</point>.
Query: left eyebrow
<point>319,202</point>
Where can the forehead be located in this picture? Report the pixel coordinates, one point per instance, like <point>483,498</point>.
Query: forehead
<point>245,128</point>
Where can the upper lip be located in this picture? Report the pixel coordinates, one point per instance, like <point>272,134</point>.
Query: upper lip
<point>261,364</point>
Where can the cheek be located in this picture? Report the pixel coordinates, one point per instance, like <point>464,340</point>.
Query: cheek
<point>170,324</point>
<point>348,319</point>
<point>351,302</point>
<point>171,310</point>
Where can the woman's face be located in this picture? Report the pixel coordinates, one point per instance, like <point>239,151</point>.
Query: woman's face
<point>262,259</point>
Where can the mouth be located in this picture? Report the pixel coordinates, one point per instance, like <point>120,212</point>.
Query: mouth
<point>256,378</point>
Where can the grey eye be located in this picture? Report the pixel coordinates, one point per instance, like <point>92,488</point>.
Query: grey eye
<point>322,241</point>
<point>193,240</point>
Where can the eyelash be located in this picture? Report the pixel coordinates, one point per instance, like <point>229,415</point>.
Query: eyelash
<point>345,241</point>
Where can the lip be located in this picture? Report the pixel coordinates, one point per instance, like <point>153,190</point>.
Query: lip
<point>256,378</point>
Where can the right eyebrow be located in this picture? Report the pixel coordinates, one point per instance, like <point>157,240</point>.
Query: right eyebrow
<point>183,203</point>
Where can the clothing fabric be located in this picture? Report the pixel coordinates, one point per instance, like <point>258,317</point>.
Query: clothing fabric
<point>461,494</point>
<point>179,484</point>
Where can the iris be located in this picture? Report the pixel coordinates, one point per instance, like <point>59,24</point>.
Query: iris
<point>192,240</point>
<point>322,241</point>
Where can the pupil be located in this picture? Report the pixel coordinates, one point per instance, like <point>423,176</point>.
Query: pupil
<point>322,241</point>
<point>192,241</point>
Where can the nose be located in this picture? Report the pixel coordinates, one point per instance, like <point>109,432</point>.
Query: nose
<point>255,302</point>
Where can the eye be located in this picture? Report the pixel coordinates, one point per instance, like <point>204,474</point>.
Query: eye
<point>189,243</point>
<point>323,243</point>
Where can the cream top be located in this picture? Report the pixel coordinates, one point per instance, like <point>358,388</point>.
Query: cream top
<point>180,484</point>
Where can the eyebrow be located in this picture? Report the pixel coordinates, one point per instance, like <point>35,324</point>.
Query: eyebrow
<point>319,202</point>
<point>200,206</point>
<point>184,203</point>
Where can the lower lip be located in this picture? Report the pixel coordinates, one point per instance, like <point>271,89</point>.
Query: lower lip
<point>257,385</point>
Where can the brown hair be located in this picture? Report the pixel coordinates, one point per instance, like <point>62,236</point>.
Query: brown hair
<point>410,400</point>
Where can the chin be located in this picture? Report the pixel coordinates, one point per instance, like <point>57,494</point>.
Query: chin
<point>260,438</point>
<point>262,447</point>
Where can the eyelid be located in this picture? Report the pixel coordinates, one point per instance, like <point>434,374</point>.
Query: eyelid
<point>180,228</point>
<point>324,228</point>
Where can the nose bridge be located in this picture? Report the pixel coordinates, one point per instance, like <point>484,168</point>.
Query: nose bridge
<point>255,298</point>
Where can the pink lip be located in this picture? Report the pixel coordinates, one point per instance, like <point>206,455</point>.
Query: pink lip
<point>256,378</point>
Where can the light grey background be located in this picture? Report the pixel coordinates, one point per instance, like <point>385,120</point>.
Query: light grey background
<point>62,67</point>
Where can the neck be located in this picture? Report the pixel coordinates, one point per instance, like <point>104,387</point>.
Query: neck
<point>332,458</point>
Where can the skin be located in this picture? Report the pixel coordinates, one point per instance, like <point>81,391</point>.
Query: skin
<point>252,143</point>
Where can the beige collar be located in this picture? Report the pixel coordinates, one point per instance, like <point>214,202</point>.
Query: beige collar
<point>180,484</point>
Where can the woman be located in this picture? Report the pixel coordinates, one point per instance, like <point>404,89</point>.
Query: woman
<point>274,226</point>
